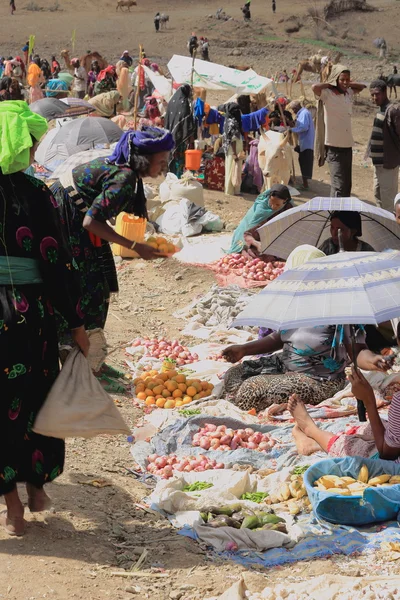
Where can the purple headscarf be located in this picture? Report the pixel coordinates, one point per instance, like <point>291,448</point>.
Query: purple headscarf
<point>148,141</point>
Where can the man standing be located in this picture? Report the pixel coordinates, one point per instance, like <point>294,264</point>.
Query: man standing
<point>193,44</point>
<point>128,60</point>
<point>306,132</point>
<point>384,146</point>
<point>80,79</point>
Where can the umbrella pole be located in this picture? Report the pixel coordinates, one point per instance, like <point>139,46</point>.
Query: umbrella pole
<point>362,415</point>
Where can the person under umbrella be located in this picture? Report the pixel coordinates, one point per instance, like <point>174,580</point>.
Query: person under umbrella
<point>349,223</point>
<point>180,122</point>
<point>36,277</point>
<point>102,189</point>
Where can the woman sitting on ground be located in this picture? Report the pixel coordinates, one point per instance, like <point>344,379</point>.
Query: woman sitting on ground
<point>266,206</point>
<point>374,439</point>
<point>349,222</point>
<point>311,365</point>
<point>105,105</point>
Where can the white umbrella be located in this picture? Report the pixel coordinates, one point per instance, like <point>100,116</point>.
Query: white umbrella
<point>310,224</point>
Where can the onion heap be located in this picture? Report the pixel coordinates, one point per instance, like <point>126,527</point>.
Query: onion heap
<point>166,466</point>
<point>162,348</point>
<point>213,437</point>
<point>253,269</point>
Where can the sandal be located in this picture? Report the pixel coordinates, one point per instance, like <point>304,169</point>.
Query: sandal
<point>14,526</point>
<point>112,387</point>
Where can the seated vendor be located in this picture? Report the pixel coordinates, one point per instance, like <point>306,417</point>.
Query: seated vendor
<point>267,205</point>
<point>349,222</point>
<point>311,365</point>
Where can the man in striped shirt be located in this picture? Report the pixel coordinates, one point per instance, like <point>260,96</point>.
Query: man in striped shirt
<point>384,147</point>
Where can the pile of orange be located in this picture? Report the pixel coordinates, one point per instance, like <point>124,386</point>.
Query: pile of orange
<point>170,389</point>
<point>162,245</point>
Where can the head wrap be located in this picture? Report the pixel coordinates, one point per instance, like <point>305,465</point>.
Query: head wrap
<point>110,70</point>
<point>17,125</point>
<point>105,103</point>
<point>74,61</point>
<point>396,200</point>
<point>146,142</point>
<point>281,191</point>
<point>301,255</point>
<point>350,219</point>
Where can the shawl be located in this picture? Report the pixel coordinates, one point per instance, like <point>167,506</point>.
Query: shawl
<point>18,125</point>
<point>255,120</point>
<point>150,140</point>
<point>110,70</point>
<point>105,103</point>
<point>320,122</point>
<point>179,117</point>
<point>232,125</point>
<point>34,73</point>
<point>253,167</point>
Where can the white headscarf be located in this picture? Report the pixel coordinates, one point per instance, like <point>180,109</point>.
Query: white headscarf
<point>302,254</point>
<point>396,200</point>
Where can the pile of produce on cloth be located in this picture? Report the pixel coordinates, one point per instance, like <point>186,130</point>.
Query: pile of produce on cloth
<point>220,437</point>
<point>221,513</point>
<point>163,349</point>
<point>162,245</point>
<point>169,389</point>
<point>167,466</point>
<point>218,308</point>
<point>255,269</point>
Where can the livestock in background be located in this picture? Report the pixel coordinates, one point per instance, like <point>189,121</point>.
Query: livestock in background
<point>275,158</point>
<point>125,4</point>
<point>164,20</point>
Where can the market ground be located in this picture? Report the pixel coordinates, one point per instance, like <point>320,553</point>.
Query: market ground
<point>72,552</point>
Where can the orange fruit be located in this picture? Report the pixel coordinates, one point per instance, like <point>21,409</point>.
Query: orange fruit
<point>197,397</point>
<point>151,385</point>
<point>141,396</point>
<point>165,393</point>
<point>169,404</point>
<point>187,400</point>
<point>177,394</point>
<point>158,396</point>
<point>204,385</point>
<point>191,391</point>
<point>180,378</point>
<point>182,387</point>
<point>171,374</point>
<point>158,389</point>
<point>150,400</point>
<point>171,249</point>
<point>151,239</point>
<point>163,377</point>
<point>171,385</point>
<point>140,388</point>
<point>136,381</point>
<point>161,240</point>
<point>149,392</point>
<point>178,403</point>
<point>189,381</point>
<point>163,248</point>
<point>197,385</point>
<point>210,386</point>
<point>160,402</point>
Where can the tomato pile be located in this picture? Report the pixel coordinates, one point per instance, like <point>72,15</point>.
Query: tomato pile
<point>213,437</point>
<point>253,269</point>
<point>164,466</point>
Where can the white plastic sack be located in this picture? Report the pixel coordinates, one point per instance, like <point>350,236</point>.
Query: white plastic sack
<point>188,187</point>
<point>170,222</point>
<point>77,405</point>
<point>165,187</point>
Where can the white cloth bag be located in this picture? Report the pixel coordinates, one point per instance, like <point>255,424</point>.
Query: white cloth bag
<point>77,405</point>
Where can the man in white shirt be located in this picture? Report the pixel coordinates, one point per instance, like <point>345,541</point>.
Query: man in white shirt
<point>337,98</point>
<point>80,79</point>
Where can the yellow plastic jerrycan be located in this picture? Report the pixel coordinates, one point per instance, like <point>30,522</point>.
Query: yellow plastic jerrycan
<point>131,227</point>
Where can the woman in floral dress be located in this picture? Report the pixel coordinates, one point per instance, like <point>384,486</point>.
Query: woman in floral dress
<point>36,276</point>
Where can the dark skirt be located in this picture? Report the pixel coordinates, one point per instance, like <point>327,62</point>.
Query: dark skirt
<point>306,162</point>
<point>28,367</point>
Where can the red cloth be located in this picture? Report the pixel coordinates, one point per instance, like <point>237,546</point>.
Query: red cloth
<point>110,69</point>
<point>214,175</point>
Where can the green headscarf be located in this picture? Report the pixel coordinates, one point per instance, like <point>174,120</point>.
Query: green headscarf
<point>17,124</point>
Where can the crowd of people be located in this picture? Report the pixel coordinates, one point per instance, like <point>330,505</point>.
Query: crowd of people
<point>56,266</point>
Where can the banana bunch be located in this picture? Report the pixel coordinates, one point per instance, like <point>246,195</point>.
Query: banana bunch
<point>348,486</point>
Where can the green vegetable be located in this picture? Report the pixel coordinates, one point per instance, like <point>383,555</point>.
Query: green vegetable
<point>300,470</point>
<point>189,412</point>
<point>251,523</point>
<point>197,486</point>
<point>226,510</point>
<point>204,516</point>
<point>270,518</point>
<point>254,496</point>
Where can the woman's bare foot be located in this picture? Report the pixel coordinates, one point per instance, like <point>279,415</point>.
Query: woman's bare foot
<point>300,414</point>
<point>306,425</point>
<point>12,519</point>
<point>305,445</point>
<point>38,500</point>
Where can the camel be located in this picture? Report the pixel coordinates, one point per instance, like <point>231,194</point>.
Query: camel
<point>322,65</point>
<point>85,60</point>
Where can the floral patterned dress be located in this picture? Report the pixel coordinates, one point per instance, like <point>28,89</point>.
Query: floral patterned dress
<point>101,191</point>
<point>29,363</point>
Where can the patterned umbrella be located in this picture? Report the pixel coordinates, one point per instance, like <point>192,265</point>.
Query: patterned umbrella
<point>310,224</point>
<point>342,289</point>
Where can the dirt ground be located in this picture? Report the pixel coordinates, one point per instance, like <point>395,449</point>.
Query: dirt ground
<point>93,532</point>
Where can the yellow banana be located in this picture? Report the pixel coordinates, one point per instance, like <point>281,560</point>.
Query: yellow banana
<point>284,491</point>
<point>363,474</point>
<point>341,491</point>
<point>394,479</point>
<point>378,480</point>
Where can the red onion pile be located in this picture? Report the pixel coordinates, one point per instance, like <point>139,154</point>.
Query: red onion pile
<point>256,269</point>
<point>165,466</point>
<point>162,348</point>
<point>213,437</point>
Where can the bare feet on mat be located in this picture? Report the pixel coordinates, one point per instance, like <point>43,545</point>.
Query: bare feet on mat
<point>300,414</point>
<point>13,525</point>
<point>38,500</point>
<point>305,445</point>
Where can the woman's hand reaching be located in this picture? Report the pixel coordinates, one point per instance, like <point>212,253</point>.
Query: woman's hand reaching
<point>234,354</point>
<point>360,387</point>
<point>146,252</point>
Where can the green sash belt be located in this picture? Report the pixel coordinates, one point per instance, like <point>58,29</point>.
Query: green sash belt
<point>19,271</point>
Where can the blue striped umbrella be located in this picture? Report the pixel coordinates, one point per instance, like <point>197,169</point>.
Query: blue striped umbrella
<point>310,224</point>
<point>342,289</point>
